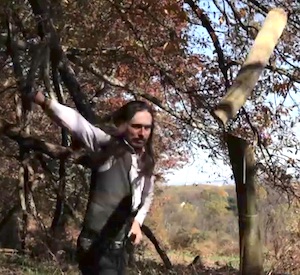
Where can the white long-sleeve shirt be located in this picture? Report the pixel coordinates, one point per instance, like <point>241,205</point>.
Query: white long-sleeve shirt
<point>93,138</point>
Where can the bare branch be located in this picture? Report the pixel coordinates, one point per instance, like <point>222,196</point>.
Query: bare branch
<point>58,56</point>
<point>52,150</point>
<point>206,23</point>
<point>135,91</point>
<point>272,68</point>
<point>13,50</point>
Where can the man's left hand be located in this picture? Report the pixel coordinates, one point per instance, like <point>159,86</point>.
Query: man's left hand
<point>135,233</point>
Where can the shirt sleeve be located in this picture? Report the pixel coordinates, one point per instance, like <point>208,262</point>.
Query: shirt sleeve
<point>147,197</point>
<point>91,136</point>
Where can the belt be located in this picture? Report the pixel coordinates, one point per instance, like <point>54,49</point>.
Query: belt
<point>104,243</point>
<point>116,245</point>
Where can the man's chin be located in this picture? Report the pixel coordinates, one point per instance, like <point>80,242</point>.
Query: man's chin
<point>138,145</point>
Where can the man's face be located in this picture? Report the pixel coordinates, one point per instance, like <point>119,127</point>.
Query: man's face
<point>138,129</point>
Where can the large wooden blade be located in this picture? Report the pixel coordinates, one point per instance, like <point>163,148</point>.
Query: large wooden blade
<point>257,59</point>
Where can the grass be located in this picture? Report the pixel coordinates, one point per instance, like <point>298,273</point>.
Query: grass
<point>24,265</point>
<point>14,264</point>
<point>232,260</point>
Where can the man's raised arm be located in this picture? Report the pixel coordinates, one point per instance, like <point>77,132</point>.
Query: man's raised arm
<point>78,126</point>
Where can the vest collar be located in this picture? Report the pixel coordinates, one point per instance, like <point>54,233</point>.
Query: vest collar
<point>132,150</point>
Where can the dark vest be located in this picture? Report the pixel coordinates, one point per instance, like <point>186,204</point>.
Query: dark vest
<point>110,202</point>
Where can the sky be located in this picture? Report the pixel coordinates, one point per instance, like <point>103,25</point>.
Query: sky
<point>201,170</point>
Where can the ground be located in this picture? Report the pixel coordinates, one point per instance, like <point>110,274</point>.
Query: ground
<point>22,265</point>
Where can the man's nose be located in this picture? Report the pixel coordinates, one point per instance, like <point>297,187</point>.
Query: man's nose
<point>142,131</point>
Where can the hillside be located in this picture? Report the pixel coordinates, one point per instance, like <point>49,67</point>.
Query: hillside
<point>191,223</point>
<point>202,220</point>
<point>191,218</point>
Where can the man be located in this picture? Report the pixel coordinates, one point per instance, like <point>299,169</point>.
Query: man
<point>121,188</point>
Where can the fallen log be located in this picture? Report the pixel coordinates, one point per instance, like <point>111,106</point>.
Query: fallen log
<point>163,255</point>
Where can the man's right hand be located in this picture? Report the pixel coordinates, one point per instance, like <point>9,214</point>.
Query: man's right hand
<point>33,97</point>
<point>39,98</point>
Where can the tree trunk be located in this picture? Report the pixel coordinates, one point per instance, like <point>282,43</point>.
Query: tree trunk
<point>147,231</point>
<point>243,165</point>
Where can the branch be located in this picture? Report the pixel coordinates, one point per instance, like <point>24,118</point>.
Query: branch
<point>271,68</point>
<point>147,231</point>
<point>206,23</point>
<point>58,56</point>
<point>265,10</point>
<point>166,76</point>
<point>238,18</point>
<point>45,68</point>
<point>25,82</point>
<point>134,91</point>
<point>13,50</point>
<point>52,150</point>
<point>37,57</point>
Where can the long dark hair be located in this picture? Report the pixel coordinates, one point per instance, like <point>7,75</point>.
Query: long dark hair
<point>125,114</point>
